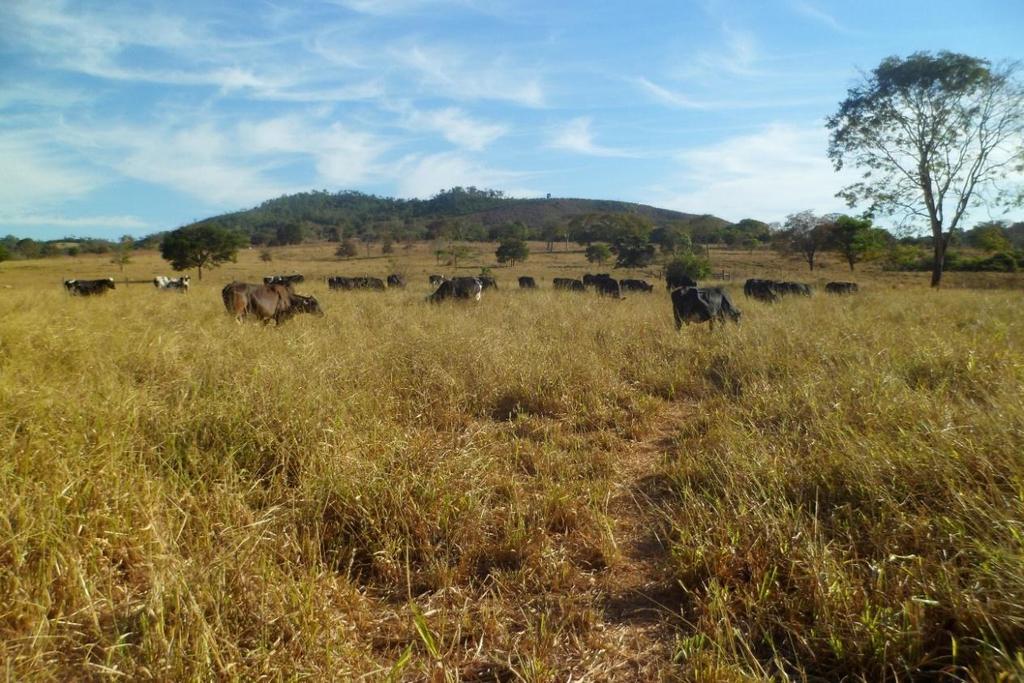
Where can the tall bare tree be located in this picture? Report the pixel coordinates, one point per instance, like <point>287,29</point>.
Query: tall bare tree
<point>805,234</point>
<point>932,134</point>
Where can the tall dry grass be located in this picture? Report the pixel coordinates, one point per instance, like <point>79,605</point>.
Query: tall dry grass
<point>419,491</point>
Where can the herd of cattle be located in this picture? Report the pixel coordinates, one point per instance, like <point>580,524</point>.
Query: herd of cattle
<point>277,300</point>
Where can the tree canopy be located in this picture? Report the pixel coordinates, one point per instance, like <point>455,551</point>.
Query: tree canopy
<point>512,249</point>
<point>205,245</point>
<point>805,234</point>
<point>931,134</point>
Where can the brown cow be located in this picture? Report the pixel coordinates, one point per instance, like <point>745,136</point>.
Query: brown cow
<point>267,302</point>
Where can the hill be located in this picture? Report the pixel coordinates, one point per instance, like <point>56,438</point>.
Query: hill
<point>475,214</point>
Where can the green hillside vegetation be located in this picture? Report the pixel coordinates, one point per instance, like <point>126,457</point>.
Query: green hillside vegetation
<point>468,214</point>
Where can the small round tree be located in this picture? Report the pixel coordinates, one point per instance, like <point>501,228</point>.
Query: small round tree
<point>511,250</point>
<point>206,245</point>
<point>347,249</point>
<point>599,253</point>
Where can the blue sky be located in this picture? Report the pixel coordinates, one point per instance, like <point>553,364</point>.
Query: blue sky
<point>129,118</point>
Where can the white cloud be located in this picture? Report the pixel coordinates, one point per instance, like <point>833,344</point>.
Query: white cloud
<point>123,222</point>
<point>424,176</point>
<point>820,16</point>
<point>392,7</point>
<point>34,174</point>
<point>576,136</point>
<point>680,100</point>
<point>233,165</point>
<point>462,76</point>
<point>456,127</point>
<point>769,174</point>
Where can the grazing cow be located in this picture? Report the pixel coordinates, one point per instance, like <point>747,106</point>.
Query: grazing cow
<point>396,280</point>
<point>761,290</point>
<point>771,290</point>
<point>435,280</point>
<point>371,283</point>
<point>457,288</point>
<point>88,287</point>
<point>841,287</point>
<point>527,282</point>
<point>635,286</point>
<point>677,281</point>
<point>592,280</point>
<point>569,283</point>
<point>797,288</point>
<point>606,285</point>
<point>283,279</point>
<point>697,305</point>
<point>267,302</point>
<point>487,281</point>
<point>178,284</point>
<point>340,282</point>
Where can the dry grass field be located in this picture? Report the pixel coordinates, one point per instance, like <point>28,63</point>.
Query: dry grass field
<point>544,486</point>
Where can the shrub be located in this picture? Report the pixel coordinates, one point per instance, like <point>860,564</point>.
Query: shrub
<point>598,253</point>
<point>691,265</point>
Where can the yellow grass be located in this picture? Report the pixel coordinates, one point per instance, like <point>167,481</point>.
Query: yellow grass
<point>541,486</point>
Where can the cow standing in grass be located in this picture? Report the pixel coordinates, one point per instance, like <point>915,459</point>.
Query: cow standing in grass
<point>457,288</point>
<point>267,302</point>
<point>704,304</point>
<point>171,284</point>
<point>88,287</point>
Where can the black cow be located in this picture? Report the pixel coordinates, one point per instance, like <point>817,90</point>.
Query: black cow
<point>592,280</point>
<point>267,302</point>
<point>457,288</point>
<point>527,282</point>
<point>762,290</point>
<point>841,287</point>
<point>771,290</point>
<point>797,288</point>
<point>606,285</point>
<point>88,287</point>
<point>340,282</point>
<point>371,283</point>
<point>635,286</point>
<point>487,281</point>
<point>396,280</point>
<point>697,305</point>
<point>569,283</point>
<point>435,280</point>
<point>677,281</point>
<point>283,279</point>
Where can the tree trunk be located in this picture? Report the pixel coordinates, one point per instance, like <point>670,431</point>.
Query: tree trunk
<point>938,262</point>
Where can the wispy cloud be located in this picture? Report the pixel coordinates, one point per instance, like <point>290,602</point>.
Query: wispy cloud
<point>35,173</point>
<point>424,176</point>
<point>237,164</point>
<point>393,7</point>
<point>819,15</point>
<point>681,100</point>
<point>768,174</point>
<point>463,76</point>
<point>123,222</point>
<point>455,126</point>
<point>576,136</point>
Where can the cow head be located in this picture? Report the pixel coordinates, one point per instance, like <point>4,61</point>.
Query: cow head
<point>307,304</point>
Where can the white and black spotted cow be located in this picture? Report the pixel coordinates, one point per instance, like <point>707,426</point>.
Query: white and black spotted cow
<point>177,284</point>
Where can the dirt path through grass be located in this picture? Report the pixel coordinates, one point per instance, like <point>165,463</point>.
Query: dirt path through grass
<point>641,598</point>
